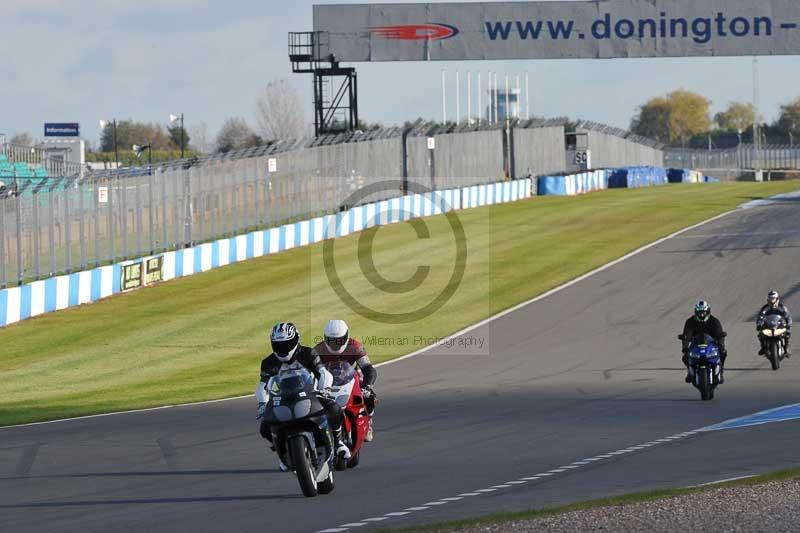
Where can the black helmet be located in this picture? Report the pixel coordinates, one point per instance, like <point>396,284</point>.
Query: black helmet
<point>702,311</point>
<point>773,298</point>
<point>285,340</point>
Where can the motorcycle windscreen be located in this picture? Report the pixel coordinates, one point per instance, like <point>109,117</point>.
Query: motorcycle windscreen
<point>291,383</point>
<point>773,321</point>
<point>705,347</point>
<point>342,372</point>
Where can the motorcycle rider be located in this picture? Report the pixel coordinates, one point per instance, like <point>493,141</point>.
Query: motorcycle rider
<point>774,306</point>
<point>701,323</point>
<point>287,352</point>
<point>337,345</point>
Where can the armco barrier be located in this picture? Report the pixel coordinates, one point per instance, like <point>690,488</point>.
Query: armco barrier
<point>62,292</point>
<point>573,184</point>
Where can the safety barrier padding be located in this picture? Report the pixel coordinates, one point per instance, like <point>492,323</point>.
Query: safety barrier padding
<point>634,177</point>
<point>573,184</point>
<point>70,290</point>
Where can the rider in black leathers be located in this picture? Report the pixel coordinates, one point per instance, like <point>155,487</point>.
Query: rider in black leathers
<point>287,351</point>
<point>774,306</point>
<point>701,323</point>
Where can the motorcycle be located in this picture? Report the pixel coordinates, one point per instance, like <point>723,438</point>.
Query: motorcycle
<point>774,330</point>
<point>300,432</point>
<point>704,359</point>
<point>347,392</point>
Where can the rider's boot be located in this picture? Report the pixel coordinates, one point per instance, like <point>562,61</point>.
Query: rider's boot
<point>369,436</point>
<point>341,448</point>
<point>689,374</point>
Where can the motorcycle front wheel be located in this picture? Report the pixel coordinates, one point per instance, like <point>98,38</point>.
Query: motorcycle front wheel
<point>774,358</point>
<point>706,392</point>
<point>301,462</point>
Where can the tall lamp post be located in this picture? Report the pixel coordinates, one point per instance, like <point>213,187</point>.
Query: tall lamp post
<point>113,122</point>
<point>172,120</point>
<point>138,151</point>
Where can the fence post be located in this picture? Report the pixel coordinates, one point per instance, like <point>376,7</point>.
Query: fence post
<point>51,230</point>
<point>67,229</point>
<point>123,187</point>
<point>80,185</point>
<point>164,231</point>
<point>3,202</point>
<point>187,203</point>
<point>139,225</point>
<point>36,236</point>
<point>150,210</point>
<point>111,240</point>
<point>96,222</point>
<point>18,209</point>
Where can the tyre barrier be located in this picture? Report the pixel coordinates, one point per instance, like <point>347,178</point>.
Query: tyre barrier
<point>71,290</point>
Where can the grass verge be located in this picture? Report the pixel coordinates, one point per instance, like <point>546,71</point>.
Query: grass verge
<point>615,501</point>
<point>202,337</point>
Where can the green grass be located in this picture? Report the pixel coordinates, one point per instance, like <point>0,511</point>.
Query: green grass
<point>202,337</point>
<point>615,501</point>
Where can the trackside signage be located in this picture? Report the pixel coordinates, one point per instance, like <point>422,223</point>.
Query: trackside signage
<point>62,129</point>
<point>558,30</point>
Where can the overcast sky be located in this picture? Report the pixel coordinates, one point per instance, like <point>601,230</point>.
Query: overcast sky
<point>84,60</point>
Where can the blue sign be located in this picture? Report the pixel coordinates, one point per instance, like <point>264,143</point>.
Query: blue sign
<point>62,129</point>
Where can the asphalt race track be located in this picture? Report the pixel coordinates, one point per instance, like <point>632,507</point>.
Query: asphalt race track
<point>592,369</point>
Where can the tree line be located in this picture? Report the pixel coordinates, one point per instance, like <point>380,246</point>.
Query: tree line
<point>683,118</point>
<point>278,115</point>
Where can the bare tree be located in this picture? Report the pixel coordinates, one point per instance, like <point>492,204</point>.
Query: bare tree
<point>278,111</point>
<point>22,139</point>
<point>235,134</point>
<point>199,135</point>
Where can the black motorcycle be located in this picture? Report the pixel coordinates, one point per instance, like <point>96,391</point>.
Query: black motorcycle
<point>300,430</point>
<point>774,330</point>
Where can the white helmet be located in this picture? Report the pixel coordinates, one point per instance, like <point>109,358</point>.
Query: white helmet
<point>336,334</point>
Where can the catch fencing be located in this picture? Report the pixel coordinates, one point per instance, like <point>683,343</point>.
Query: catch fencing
<point>51,226</point>
<point>613,147</point>
<point>745,157</point>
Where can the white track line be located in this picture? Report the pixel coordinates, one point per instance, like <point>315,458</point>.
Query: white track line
<point>567,469</point>
<point>723,481</point>
<point>450,337</point>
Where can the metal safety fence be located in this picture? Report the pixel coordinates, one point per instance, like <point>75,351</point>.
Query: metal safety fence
<point>65,225</point>
<point>745,157</point>
<point>50,226</point>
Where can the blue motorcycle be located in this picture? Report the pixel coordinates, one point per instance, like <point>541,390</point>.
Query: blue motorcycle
<point>704,360</point>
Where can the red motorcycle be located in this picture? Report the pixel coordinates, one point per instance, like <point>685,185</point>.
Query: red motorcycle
<point>346,390</point>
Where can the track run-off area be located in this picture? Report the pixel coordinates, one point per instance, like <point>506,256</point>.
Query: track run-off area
<point>574,396</point>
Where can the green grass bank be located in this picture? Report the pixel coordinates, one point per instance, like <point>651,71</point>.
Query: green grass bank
<point>202,337</point>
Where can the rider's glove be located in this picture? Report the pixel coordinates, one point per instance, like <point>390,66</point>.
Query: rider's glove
<point>262,408</point>
<point>367,390</point>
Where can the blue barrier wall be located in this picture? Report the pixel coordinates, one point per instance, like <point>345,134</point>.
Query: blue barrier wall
<point>62,292</point>
<point>573,184</point>
<point>626,177</point>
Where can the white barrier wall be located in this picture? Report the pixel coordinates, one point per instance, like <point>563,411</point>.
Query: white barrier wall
<point>53,294</point>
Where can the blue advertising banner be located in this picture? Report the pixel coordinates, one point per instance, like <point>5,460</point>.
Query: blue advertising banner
<point>62,129</point>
